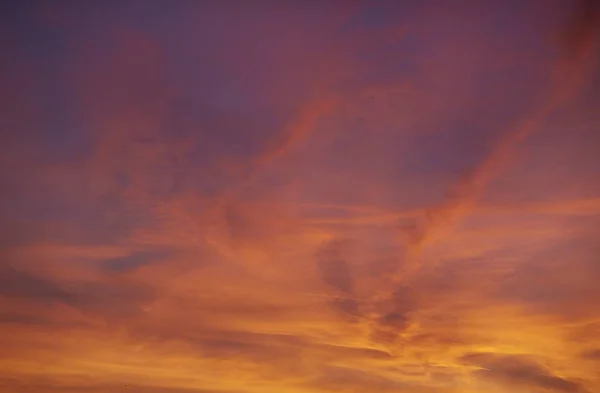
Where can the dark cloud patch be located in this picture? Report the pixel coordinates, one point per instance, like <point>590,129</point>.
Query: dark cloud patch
<point>258,347</point>
<point>583,24</point>
<point>48,385</point>
<point>215,344</point>
<point>217,341</point>
<point>16,318</point>
<point>404,301</point>
<point>334,268</point>
<point>39,319</point>
<point>350,352</point>
<point>136,260</point>
<point>397,318</point>
<point>518,371</point>
<point>15,283</point>
<point>335,272</point>
<point>444,339</point>
<point>255,348</point>
<point>347,306</point>
<point>112,299</point>
<point>593,354</point>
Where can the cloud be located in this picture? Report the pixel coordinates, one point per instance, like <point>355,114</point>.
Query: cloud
<point>19,284</point>
<point>22,318</point>
<point>592,354</point>
<point>335,272</point>
<point>302,198</point>
<point>111,300</point>
<point>519,371</point>
<point>334,268</point>
<point>579,33</point>
<point>463,194</point>
<point>53,386</point>
<point>124,264</point>
<point>564,284</point>
<point>350,380</point>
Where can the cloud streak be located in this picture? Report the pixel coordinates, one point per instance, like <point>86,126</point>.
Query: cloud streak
<point>572,69</point>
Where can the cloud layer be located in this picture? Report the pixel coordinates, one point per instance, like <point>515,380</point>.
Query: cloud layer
<point>286,197</point>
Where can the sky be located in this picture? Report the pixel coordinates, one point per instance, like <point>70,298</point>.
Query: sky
<point>300,196</point>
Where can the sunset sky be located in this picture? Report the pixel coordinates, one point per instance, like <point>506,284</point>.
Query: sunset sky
<point>300,196</point>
